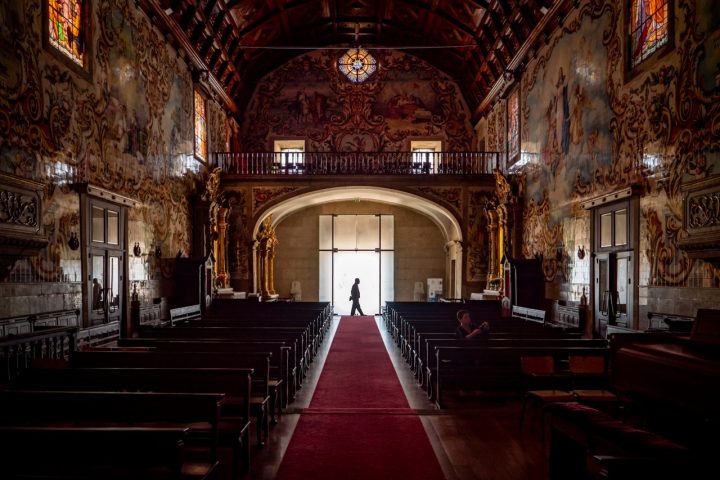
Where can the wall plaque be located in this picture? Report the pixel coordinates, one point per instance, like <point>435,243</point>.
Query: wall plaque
<point>701,218</point>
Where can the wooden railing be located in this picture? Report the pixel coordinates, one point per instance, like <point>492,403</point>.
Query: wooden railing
<point>18,351</point>
<point>357,163</point>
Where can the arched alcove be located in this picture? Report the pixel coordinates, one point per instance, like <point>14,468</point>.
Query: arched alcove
<point>445,221</point>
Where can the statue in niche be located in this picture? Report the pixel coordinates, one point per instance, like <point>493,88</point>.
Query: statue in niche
<point>576,128</point>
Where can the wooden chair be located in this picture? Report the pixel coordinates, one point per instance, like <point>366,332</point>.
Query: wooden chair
<point>590,379</point>
<point>541,382</point>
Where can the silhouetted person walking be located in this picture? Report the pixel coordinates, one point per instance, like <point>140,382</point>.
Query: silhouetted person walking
<point>355,298</point>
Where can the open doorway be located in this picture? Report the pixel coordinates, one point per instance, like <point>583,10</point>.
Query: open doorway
<point>356,246</point>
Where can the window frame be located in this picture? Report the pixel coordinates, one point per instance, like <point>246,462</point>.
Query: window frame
<point>84,70</point>
<point>197,92</point>
<point>513,157</point>
<point>649,63</point>
<point>426,163</point>
<point>289,148</point>
<point>612,208</point>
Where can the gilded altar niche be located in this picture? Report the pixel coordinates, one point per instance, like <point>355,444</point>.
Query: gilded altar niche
<point>308,98</point>
<point>476,246</point>
<point>240,242</point>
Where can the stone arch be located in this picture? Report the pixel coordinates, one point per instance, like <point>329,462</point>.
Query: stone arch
<point>439,215</point>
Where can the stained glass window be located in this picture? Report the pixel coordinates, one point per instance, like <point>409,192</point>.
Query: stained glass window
<point>357,64</point>
<point>649,28</point>
<point>200,127</point>
<point>513,127</point>
<point>65,24</point>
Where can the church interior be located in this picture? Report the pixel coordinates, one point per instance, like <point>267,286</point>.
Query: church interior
<point>189,191</point>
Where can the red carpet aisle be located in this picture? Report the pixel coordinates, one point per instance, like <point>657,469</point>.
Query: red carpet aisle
<point>359,424</point>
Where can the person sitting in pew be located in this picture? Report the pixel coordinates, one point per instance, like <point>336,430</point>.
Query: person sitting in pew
<point>467,329</point>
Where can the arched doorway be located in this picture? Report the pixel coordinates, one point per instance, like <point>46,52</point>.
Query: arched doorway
<point>444,220</point>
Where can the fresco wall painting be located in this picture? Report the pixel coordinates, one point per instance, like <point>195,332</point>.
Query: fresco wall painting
<point>127,129</point>
<point>406,98</point>
<point>587,130</point>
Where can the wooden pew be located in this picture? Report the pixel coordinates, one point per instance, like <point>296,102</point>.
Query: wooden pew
<point>587,443</point>
<point>84,453</point>
<point>281,365</point>
<point>422,356</point>
<point>427,359</point>
<point>259,362</point>
<point>235,383</point>
<point>309,340</point>
<point>491,368</point>
<point>296,335</point>
<point>200,412</point>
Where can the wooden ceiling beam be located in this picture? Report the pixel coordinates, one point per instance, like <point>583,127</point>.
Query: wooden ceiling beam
<point>209,7</point>
<point>519,57</point>
<point>195,62</point>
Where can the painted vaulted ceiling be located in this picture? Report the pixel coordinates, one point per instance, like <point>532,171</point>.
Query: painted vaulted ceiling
<point>239,41</point>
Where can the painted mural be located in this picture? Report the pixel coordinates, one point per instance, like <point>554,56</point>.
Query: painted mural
<point>708,22</point>
<point>406,98</point>
<point>590,128</point>
<point>125,125</point>
<point>477,243</point>
<point>566,113</point>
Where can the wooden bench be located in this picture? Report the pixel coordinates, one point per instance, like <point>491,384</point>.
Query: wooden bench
<point>298,336</point>
<point>259,362</point>
<point>423,356</point>
<point>32,452</point>
<point>530,314</point>
<point>670,322</point>
<point>491,368</point>
<point>184,313</point>
<point>432,344</point>
<point>235,383</point>
<point>588,443</point>
<point>281,366</point>
<point>200,412</point>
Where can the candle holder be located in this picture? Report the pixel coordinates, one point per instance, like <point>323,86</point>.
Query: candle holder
<point>73,241</point>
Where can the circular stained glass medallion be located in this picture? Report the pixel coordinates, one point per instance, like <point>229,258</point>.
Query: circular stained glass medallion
<point>357,64</point>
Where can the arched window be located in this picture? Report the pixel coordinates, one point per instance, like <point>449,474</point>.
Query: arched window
<point>649,29</point>
<point>201,139</point>
<point>66,28</point>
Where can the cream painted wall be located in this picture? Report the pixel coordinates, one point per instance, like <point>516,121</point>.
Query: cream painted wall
<point>419,247</point>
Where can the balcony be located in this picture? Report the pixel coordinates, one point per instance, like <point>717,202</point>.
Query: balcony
<point>356,163</point>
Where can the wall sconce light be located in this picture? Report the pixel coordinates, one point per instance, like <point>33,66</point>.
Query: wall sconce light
<point>158,252</point>
<point>137,251</point>
<point>581,252</point>
<point>73,241</point>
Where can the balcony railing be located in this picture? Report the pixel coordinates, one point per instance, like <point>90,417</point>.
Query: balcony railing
<point>357,163</point>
